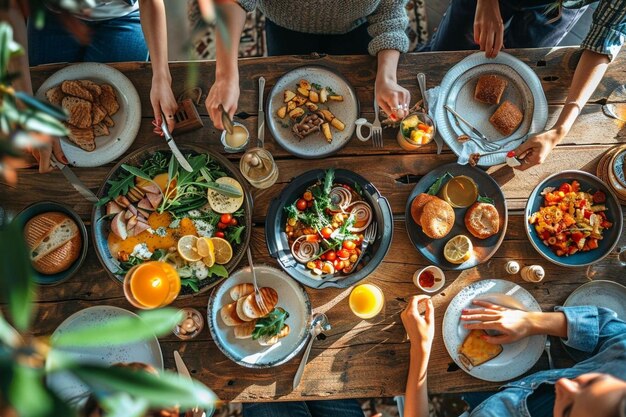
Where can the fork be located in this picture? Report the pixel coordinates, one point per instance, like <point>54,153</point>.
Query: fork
<point>547,350</point>
<point>257,294</point>
<point>368,238</point>
<point>377,130</point>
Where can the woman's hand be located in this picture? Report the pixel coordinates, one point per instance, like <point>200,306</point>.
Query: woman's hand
<point>163,102</point>
<point>224,91</point>
<point>512,325</point>
<point>393,98</point>
<point>49,145</point>
<point>488,27</point>
<point>420,329</point>
<point>537,148</point>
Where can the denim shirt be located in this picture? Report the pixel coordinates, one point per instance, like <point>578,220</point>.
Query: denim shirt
<point>596,340</point>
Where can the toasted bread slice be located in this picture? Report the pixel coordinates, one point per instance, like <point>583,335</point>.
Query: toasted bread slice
<point>507,118</point>
<point>489,89</point>
<point>437,218</point>
<point>240,311</point>
<point>244,331</point>
<point>100,130</point>
<point>475,350</point>
<point>108,99</point>
<point>93,88</point>
<point>108,121</point>
<point>98,113</point>
<point>84,138</point>
<point>241,290</point>
<point>229,316</point>
<point>75,88</point>
<point>79,111</point>
<point>482,220</point>
<point>253,310</point>
<point>417,206</point>
<point>55,95</point>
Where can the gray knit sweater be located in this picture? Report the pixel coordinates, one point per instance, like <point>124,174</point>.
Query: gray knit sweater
<point>387,19</point>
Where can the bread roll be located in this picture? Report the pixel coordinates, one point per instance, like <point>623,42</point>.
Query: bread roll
<point>417,206</point>
<point>240,290</point>
<point>482,220</point>
<point>229,316</point>
<point>507,118</point>
<point>54,242</point>
<point>437,218</point>
<point>244,331</point>
<point>240,311</point>
<point>489,89</point>
<point>250,307</point>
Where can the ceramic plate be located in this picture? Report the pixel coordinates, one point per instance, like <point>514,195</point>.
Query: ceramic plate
<point>127,119</point>
<point>248,352</point>
<point>610,236</point>
<point>432,249</point>
<point>457,90</point>
<point>516,358</point>
<point>47,206</point>
<point>72,389</point>
<point>600,293</point>
<point>314,145</point>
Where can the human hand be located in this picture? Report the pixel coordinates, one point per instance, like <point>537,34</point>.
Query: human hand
<point>393,98</point>
<point>224,91</point>
<point>512,325</point>
<point>420,329</point>
<point>537,148</point>
<point>163,103</point>
<point>49,145</point>
<point>488,27</point>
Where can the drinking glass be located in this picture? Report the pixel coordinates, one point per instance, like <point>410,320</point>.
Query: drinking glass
<point>258,167</point>
<point>366,301</point>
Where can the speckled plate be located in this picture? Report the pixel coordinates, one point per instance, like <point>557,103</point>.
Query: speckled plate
<point>600,293</point>
<point>72,389</point>
<point>127,119</point>
<point>248,352</point>
<point>314,145</point>
<point>516,358</point>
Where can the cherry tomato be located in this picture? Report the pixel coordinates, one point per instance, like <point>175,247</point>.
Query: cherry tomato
<point>331,256</point>
<point>338,264</point>
<point>566,188</point>
<point>323,257</point>
<point>301,204</point>
<point>233,222</point>
<point>219,234</point>
<point>326,232</point>
<point>308,196</point>
<point>226,218</point>
<point>222,226</point>
<point>599,197</point>
<point>349,244</point>
<point>343,254</point>
<point>309,204</point>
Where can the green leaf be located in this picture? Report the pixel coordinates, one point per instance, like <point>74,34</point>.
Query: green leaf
<point>123,405</point>
<point>434,189</point>
<point>121,330</point>
<point>233,234</point>
<point>270,325</point>
<point>41,106</point>
<point>8,335</point>
<point>172,168</point>
<point>136,172</point>
<point>225,189</point>
<point>218,270</point>
<point>191,282</point>
<point>484,199</point>
<point>30,398</point>
<point>42,123</point>
<point>6,37</point>
<point>165,390</point>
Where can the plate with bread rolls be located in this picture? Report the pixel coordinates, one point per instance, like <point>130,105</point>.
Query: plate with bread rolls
<point>259,336</point>
<point>500,97</point>
<point>56,238</point>
<point>456,216</point>
<point>468,349</point>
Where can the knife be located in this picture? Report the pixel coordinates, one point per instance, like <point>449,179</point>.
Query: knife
<point>184,372</point>
<point>474,130</point>
<point>73,179</point>
<point>170,142</point>
<point>261,116</point>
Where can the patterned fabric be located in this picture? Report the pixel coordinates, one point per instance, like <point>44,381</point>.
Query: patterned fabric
<point>608,28</point>
<point>252,43</point>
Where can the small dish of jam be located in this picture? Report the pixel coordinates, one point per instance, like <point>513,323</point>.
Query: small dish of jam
<point>430,279</point>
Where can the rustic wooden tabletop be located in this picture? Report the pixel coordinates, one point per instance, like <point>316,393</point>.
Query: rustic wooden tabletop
<point>357,358</point>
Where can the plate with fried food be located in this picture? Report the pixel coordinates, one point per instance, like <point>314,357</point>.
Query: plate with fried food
<point>468,348</point>
<point>103,108</point>
<point>311,111</point>
<point>259,335</point>
<point>456,216</point>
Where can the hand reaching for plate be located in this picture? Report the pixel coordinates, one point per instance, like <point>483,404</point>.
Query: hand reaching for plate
<point>393,99</point>
<point>512,325</point>
<point>226,93</point>
<point>163,102</point>
<point>537,148</point>
<point>488,27</point>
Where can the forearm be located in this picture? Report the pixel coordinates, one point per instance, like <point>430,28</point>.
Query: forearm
<point>387,65</point>
<point>416,396</point>
<point>154,26</point>
<point>227,50</point>
<point>552,324</point>
<point>18,64</point>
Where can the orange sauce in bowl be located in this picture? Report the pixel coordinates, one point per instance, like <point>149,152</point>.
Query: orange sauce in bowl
<point>460,192</point>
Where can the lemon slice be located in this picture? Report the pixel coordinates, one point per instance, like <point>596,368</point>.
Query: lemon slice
<point>221,203</point>
<point>458,249</point>
<point>206,250</point>
<point>187,248</point>
<point>223,250</point>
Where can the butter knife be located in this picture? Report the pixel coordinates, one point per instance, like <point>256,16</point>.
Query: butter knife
<point>261,117</point>
<point>473,129</point>
<point>184,372</point>
<point>170,142</point>
<point>73,179</point>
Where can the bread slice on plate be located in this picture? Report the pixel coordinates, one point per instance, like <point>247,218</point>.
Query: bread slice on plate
<point>108,121</point>
<point>54,242</point>
<point>100,130</point>
<point>229,316</point>
<point>79,111</point>
<point>108,99</point>
<point>241,290</point>
<point>75,88</point>
<point>437,218</point>
<point>84,138</point>
<point>244,331</point>
<point>93,88</point>
<point>475,350</point>
<point>268,341</point>
<point>489,89</point>
<point>98,114</point>
<point>507,118</point>
<point>482,220</point>
<point>417,206</point>
<point>55,95</point>
<point>250,307</point>
<point>240,311</point>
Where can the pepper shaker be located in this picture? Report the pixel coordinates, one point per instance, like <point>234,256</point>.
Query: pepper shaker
<point>533,273</point>
<point>512,267</point>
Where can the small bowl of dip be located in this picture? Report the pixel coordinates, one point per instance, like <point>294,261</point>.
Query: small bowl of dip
<point>460,191</point>
<point>430,279</point>
<point>236,142</point>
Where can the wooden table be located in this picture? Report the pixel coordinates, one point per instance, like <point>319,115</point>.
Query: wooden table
<point>357,358</point>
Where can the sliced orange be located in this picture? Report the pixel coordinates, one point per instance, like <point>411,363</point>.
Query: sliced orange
<point>223,250</point>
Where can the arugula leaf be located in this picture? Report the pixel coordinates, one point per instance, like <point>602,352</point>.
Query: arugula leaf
<point>219,270</point>
<point>328,180</point>
<point>485,199</point>
<point>233,234</point>
<point>191,282</point>
<point>136,172</point>
<point>270,325</point>
<point>316,86</point>
<point>119,186</point>
<point>434,189</point>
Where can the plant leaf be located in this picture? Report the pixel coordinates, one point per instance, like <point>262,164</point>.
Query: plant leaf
<point>218,270</point>
<point>8,335</point>
<point>136,172</point>
<point>41,106</point>
<point>123,405</point>
<point>122,330</point>
<point>42,123</point>
<point>485,199</point>
<point>6,37</point>
<point>224,189</point>
<point>172,168</point>
<point>434,189</point>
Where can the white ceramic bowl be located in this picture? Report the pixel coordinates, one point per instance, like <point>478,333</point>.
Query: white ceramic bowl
<point>440,278</point>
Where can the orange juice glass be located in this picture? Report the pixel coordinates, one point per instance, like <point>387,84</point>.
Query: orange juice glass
<point>366,301</point>
<point>151,285</point>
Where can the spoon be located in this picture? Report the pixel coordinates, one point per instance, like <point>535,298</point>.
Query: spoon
<point>226,121</point>
<point>319,323</point>
<point>421,82</point>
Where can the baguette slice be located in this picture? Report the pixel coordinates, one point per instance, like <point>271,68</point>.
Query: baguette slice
<point>251,309</point>
<point>244,331</point>
<point>241,290</point>
<point>229,316</point>
<point>240,312</point>
<point>54,242</point>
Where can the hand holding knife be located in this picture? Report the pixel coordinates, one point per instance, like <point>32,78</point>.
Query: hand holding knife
<point>170,142</point>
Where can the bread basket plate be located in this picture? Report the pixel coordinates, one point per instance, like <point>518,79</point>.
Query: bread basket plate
<point>127,119</point>
<point>71,389</point>
<point>52,206</point>
<point>432,249</point>
<point>457,91</point>
<point>515,358</point>
<point>314,145</point>
<point>247,352</point>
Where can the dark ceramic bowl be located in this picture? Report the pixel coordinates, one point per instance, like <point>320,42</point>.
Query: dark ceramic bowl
<point>278,245</point>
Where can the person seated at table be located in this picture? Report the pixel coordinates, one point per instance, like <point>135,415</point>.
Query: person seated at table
<point>595,337</point>
<point>374,26</point>
<point>489,25</point>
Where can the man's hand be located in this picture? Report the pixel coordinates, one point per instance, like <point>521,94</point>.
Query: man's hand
<point>50,145</point>
<point>488,27</point>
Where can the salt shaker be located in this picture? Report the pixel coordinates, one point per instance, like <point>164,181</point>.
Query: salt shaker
<point>191,324</point>
<point>533,273</point>
<point>511,267</point>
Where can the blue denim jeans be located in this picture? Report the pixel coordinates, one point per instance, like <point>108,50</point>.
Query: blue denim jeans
<point>328,408</point>
<point>113,40</point>
<point>526,25</point>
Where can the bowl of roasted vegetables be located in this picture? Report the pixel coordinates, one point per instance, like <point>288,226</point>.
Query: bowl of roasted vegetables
<point>318,228</point>
<point>573,219</point>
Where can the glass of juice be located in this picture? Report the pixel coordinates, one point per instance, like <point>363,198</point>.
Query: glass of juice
<point>236,142</point>
<point>366,301</point>
<point>151,285</point>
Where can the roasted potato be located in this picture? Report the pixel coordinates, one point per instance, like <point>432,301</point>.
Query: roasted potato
<point>305,84</point>
<point>288,95</point>
<point>303,91</point>
<point>314,96</point>
<point>295,113</point>
<point>291,105</point>
<point>323,95</point>
<point>327,114</point>
<point>337,124</point>
<point>327,133</point>
<point>282,112</point>
<point>335,98</point>
<point>311,106</point>
<point>299,100</point>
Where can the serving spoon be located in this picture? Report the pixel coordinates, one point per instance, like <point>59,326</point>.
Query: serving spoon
<point>319,323</point>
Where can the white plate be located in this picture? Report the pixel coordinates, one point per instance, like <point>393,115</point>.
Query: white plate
<point>248,352</point>
<point>70,388</point>
<point>127,119</point>
<point>314,145</point>
<point>457,91</point>
<point>600,293</point>
<point>516,358</point>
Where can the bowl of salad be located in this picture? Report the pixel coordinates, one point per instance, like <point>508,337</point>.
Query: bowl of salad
<point>573,219</point>
<point>317,228</point>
